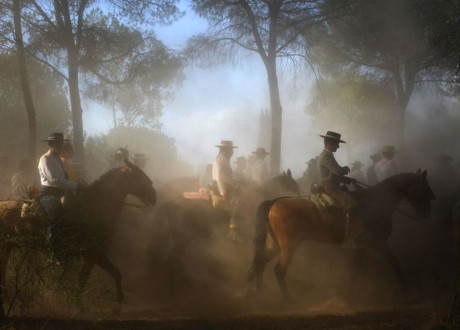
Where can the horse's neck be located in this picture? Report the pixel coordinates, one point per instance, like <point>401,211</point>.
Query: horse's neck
<point>106,196</point>
<point>387,193</point>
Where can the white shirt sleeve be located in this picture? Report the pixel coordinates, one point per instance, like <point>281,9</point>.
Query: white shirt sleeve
<point>52,173</point>
<point>222,173</point>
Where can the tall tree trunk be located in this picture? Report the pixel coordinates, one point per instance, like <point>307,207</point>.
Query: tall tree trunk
<point>22,66</point>
<point>405,81</point>
<point>276,117</point>
<point>75,104</point>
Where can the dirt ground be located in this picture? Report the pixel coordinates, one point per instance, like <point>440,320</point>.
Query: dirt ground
<point>209,288</point>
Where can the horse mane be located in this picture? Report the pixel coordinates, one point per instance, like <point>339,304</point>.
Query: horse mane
<point>103,178</point>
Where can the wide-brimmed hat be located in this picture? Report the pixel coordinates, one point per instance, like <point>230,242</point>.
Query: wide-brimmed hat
<point>260,151</point>
<point>140,156</point>
<point>389,149</point>
<point>332,136</point>
<point>444,158</point>
<point>226,144</point>
<point>59,137</point>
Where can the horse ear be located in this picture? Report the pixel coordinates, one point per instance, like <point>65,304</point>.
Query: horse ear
<point>419,171</point>
<point>289,174</point>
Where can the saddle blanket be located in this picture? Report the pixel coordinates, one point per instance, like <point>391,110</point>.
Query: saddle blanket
<point>201,194</point>
<point>323,201</point>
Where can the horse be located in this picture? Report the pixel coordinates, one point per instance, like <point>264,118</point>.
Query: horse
<point>102,201</point>
<point>289,221</point>
<point>183,220</point>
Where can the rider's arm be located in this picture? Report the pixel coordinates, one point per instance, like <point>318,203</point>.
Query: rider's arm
<point>333,167</point>
<point>52,169</point>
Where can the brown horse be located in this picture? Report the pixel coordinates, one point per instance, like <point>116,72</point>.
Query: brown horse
<point>101,202</point>
<point>293,220</point>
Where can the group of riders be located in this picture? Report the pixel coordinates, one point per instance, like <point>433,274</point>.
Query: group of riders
<point>59,182</point>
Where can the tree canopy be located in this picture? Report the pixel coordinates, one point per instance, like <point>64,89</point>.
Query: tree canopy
<point>402,41</point>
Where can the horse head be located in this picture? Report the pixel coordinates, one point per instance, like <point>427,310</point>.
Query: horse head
<point>137,183</point>
<point>284,183</point>
<point>419,194</point>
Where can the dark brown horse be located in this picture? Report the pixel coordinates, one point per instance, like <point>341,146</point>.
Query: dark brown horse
<point>293,220</point>
<point>101,202</point>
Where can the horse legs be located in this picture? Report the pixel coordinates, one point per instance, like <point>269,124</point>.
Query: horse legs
<point>358,257</point>
<point>286,254</point>
<point>269,255</point>
<point>388,255</point>
<point>103,262</point>
<point>4,257</point>
<point>83,278</point>
<point>175,267</point>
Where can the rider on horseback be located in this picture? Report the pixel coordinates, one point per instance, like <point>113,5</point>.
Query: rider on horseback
<point>54,180</point>
<point>332,174</point>
<point>223,183</point>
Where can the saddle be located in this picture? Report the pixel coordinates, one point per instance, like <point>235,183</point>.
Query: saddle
<point>323,201</point>
<point>211,194</point>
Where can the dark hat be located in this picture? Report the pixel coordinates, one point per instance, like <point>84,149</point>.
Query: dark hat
<point>140,156</point>
<point>260,151</point>
<point>444,158</point>
<point>56,137</point>
<point>332,136</point>
<point>226,144</point>
<point>390,149</point>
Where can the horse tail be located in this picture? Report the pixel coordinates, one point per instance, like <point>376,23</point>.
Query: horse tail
<point>260,240</point>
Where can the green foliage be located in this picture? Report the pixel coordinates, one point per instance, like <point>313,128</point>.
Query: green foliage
<point>355,102</point>
<point>49,97</point>
<point>131,73</point>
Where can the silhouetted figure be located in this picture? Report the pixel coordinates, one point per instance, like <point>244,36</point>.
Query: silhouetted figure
<point>259,170</point>
<point>370,173</point>
<point>386,167</point>
<point>356,172</point>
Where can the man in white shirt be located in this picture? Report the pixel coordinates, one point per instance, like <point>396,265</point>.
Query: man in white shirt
<point>386,167</point>
<point>259,169</point>
<point>54,180</point>
<point>222,175</point>
<point>221,169</point>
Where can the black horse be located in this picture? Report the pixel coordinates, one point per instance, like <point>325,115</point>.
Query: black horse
<point>100,205</point>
